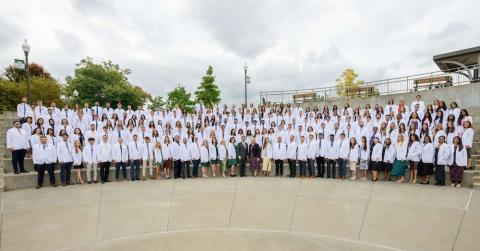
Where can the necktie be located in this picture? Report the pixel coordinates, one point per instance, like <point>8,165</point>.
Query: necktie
<point>341,142</point>
<point>148,150</point>
<point>40,110</point>
<point>119,135</point>
<point>43,146</point>
<point>331,143</point>
<point>198,148</point>
<point>91,150</point>
<point>97,110</point>
<point>68,149</point>
<point>66,114</point>
<point>136,146</point>
<point>24,110</point>
<point>121,152</point>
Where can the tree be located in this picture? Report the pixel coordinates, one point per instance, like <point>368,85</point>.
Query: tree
<point>347,81</point>
<point>180,96</point>
<point>157,103</point>
<point>208,91</point>
<point>104,82</point>
<point>17,75</point>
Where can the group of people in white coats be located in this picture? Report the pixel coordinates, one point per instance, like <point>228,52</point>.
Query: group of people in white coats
<point>423,139</point>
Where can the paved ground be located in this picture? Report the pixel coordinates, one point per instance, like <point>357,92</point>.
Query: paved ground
<point>241,214</point>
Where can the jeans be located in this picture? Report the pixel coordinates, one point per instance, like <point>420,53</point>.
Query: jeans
<point>65,171</point>
<point>196,163</point>
<point>135,169</point>
<point>18,157</point>
<point>302,167</point>
<point>331,168</point>
<point>123,166</point>
<point>310,166</point>
<point>186,169</point>
<point>342,167</point>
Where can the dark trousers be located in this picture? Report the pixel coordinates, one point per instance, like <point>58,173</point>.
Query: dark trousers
<point>135,169</point>
<point>186,169</point>
<point>320,166</point>
<point>65,171</point>
<point>177,168</point>
<point>331,166</point>
<point>292,165</point>
<point>195,164</point>
<point>118,166</point>
<point>18,157</point>
<point>104,170</point>
<point>243,165</point>
<point>278,167</point>
<point>302,165</point>
<point>41,172</point>
<point>342,167</point>
<point>310,166</point>
<point>440,173</point>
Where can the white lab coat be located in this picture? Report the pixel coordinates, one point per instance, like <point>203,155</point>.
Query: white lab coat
<point>415,152</point>
<point>44,154</point>
<point>460,156</point>
<point>428,153</point>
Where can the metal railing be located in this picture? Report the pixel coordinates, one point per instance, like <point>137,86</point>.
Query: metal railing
<point>456,77</point>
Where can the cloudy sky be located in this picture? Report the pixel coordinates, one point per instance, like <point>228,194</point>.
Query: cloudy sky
<point>286,44</point>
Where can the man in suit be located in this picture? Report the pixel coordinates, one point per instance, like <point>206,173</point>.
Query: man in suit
<point>242,155</point>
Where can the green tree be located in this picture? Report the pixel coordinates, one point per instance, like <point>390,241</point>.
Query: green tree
<point>208,91</point>
<point>157,103</point>
<point>180,96</point>
<point>104,82</point>
<point>347,81</point>
<point>17,75</point>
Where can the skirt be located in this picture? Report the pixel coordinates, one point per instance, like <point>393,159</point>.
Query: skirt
<point>399,167</point>
<point>377,166</point>
<point>205,164</point>
<point>231,162</point>
<point>78,166</point>
<point>214,161</point>
<point>456,173</point>
<point>413,164</point>
<point>353,166</point>
<point>254,164</point>
<point>387,166</point>
<point>425,169</point>
<point>159,164</point>
<point>364,165</point>
<point>168,163</point>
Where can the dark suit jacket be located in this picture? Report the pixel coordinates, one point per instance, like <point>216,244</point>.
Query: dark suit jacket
<point>242,150</point>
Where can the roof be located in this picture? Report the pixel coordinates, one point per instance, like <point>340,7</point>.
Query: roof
<point>468,57</point>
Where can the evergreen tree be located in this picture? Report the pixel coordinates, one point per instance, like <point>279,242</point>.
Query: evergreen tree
<point>208,91</point>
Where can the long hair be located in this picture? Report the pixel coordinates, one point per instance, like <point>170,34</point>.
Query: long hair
<point>460,144</point>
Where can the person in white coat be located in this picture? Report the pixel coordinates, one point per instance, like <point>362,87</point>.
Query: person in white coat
<point>292,156</point>
<point>91,160</point>
<point>44,157</point>
<point>302,156</point>
<point>364,157</point>
<point>65,159</point>
<point>158,159</point>
<point>466,134</point>
<point>376,158</point>
<point>135,155</point>
<point>279,153</point>
<point>17,144</point>
<point>414,154</point>
<point>426,165</point>
<point>104,158</point>
<point>120,158</point>
<point>457,161</point>
<point>331,156</point>
<point>232,156</point>
<point>185,158</point>
<point>194,149</point>
<point>204,157</point>
<point>353,157</point>
<point>77,160</point>
<point>311,152</point>
<point>147,158</point>
<point>343,151</point>
<point>320,155</point>
<point>388,158</point>
<point>442,156</point>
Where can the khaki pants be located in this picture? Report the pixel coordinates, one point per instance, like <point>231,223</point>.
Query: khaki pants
<point>91,167</point>
<point>147,164</point>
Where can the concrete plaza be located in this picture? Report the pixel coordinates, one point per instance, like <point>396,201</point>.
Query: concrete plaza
<point>241,214</point>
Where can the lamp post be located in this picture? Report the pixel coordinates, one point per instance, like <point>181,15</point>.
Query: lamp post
<point>247,81</point>
<point>75,94</point>
<point>26,50</point>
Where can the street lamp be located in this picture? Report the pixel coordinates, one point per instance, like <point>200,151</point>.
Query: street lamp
<point>247,81</point>
<point>26,50</point>
<point>75,94</point>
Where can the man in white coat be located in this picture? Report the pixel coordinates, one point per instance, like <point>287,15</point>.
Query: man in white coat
<point>279,153</point>
<point>44,157</point>
<point>104,158</point>
<point>331,156</point>
<point>91,160</point>
<point>311,152</point>
<point>343,151</point>
<point>292,156</point>
<point>17,144</point>
<point>65,159</point>
<point>120,158</point>
<point>135,155</point>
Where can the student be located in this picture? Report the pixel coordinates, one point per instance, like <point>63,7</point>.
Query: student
<point>466,134</point>
<point>457,161</point>
<point>44,158</point>
<point>388,154</point>
<point>17,144</point>
<point>426,164</point>
<point>220,157</point>
<point>120,158</point>
<point>279,153</point>
<point>135,155</point>
<point>266,157</point>
<point>232,156</point>
<point>158,159</point>
<point>77,160</point>
<point>302,150</point>
<point>414,154</point>
<point>331,155</point>
<point>91,160</point>
<point>311,152</point>
<point>364,157</point>
<point>376,158</point>
<point>194,149</point>
<point>255,154</point>
<point>65,159</point>
<point>185,159</point>
<point>442,156</point>
<point>204,157</point>
<point>176,156</point>
<point>167,157</point>
<point>147,158</point>
<point>353,157</point>
<point>343,150</point>
<point>320,156</point>
<point>104,158</point>
<point>242,155</point>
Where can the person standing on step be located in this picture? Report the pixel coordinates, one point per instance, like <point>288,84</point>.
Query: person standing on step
<point>147,158</point>
<point>457,161</point>
<point>279,155</point>
<point>120,158</point>
<point>135,155</point>
<point>331,156</point>
<point>343,151</point>
<point>104,158</point>
<point>91,160</point>
<point>255,154</point>
<point>17,144</point>
<point>24,110</point>
<point>185,159</point>
<point>194,149</point>
<point>320,156</point>
<point>242,155</point>
<point>204,157</point>
<point>442,156</point>
<point>65,159</point>
<point>44,157</point>
<point>77,160</point>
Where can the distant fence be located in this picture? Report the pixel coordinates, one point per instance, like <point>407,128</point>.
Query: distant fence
<point>431,80</point>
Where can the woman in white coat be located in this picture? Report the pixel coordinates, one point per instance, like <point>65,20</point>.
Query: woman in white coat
<point>414,154</point>
<point>442,155</point>
<point>364,157</point>
<point>457,161</point>
<point>400,162</point>
<point>77,160</point>
<point>466,135</point>
<point>426,164</point>
<point>204,158</point>
<point>353,157</point>
<point>376,158</point>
